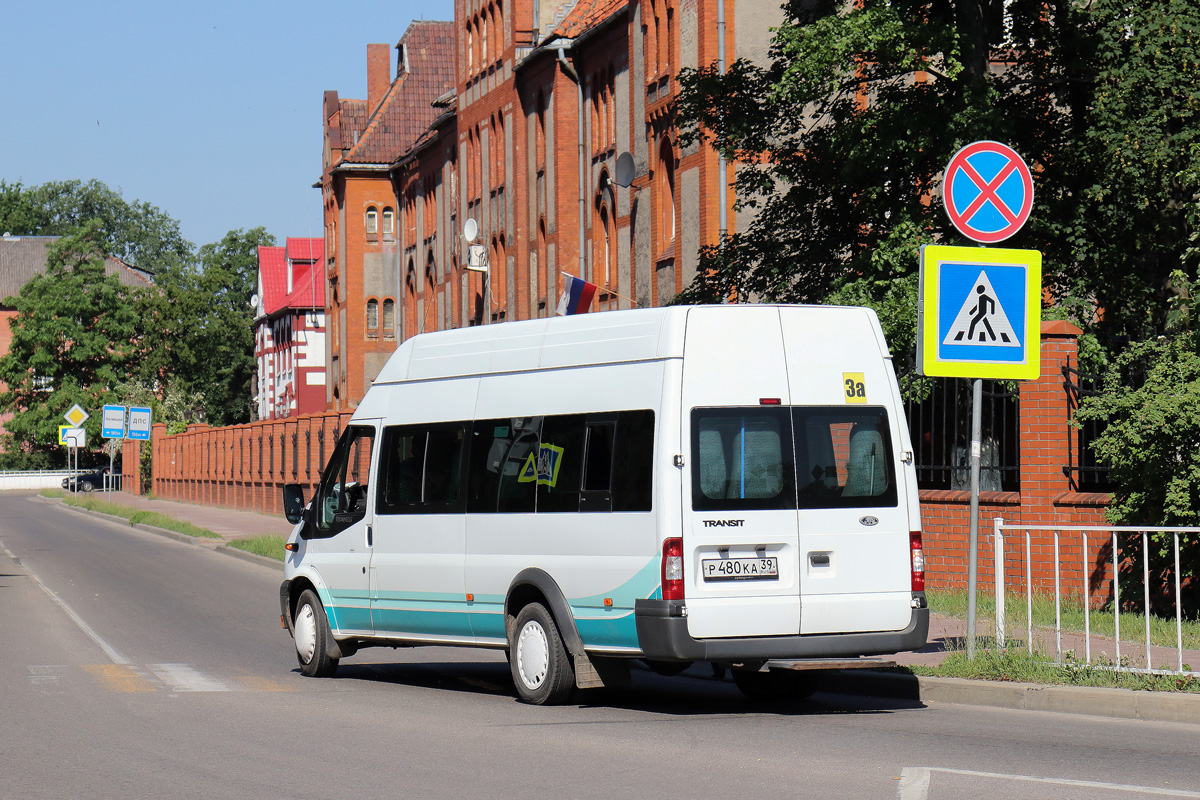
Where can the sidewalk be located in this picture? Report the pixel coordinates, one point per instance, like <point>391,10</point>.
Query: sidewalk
<point>226,523</point>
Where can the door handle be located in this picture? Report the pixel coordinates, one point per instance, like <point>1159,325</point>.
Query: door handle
<point>370,537</point>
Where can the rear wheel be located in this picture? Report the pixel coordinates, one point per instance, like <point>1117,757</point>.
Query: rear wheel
<point>779,684</point>
<point>541,667</point>
<point>311,629</point>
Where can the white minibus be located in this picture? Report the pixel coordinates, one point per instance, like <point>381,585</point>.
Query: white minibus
<point>726,484</point>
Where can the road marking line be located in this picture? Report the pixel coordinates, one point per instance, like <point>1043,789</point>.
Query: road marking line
<point>184,678</point>
<point>119,678</point>
<point>46,673</point>
<point>914,783</point>
<point>108,649</point>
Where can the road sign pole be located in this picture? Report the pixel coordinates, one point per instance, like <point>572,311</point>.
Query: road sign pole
<point>973,550</point>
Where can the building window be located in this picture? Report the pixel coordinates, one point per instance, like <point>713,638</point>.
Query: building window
<point>389,224</point>
<point>389,319</point>
<point>666,196</point>
<point>372,319</point>
<point>372,223</point>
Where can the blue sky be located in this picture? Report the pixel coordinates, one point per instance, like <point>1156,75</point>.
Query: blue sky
<point>210,111</point>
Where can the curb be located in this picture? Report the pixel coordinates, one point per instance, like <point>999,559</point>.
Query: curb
<point>1089,700</point>
<point>183,538</point>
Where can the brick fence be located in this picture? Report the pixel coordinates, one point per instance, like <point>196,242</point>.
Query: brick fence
<point>246,466</point>
<point>243,466</point>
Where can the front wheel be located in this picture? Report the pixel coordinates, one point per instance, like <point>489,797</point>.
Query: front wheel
<point>541,667</point>
<point>312,634</point>
<point>87,486</point>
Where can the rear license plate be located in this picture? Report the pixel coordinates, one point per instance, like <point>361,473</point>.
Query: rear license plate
<point>740,569</point>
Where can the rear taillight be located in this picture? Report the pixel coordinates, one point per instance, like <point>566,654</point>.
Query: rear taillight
<point>918,561</point>
<point>672,569</point>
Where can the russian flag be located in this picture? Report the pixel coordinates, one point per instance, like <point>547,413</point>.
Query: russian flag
<point>576,297</point>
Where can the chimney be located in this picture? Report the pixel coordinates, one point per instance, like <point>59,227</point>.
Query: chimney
<point>379,74</point>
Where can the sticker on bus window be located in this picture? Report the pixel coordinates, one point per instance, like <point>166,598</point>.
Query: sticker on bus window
<point>542,466</point>
<point>855,387</point>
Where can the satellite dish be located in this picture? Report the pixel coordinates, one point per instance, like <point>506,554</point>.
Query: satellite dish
<point>470,229</point>
<point>625,170</point>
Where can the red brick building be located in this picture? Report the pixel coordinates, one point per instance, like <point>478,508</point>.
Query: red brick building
<point>362,139</point>
<point>289,329</point>
<point>514,116</point>
<point>546,100</point>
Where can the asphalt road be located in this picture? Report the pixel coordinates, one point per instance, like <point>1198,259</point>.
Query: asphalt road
<point>133,666</point>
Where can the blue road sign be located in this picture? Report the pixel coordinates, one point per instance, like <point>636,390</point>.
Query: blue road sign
<point>139,423</point>
<point>113,422</point>
<point>988,191</point>
<point>980,313</point>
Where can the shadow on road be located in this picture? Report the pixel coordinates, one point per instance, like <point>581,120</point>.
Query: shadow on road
<point>697,692</point>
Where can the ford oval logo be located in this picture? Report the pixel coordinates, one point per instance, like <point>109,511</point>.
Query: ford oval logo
<point>869,521</point>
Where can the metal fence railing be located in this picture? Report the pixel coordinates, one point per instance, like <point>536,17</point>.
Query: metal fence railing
<point>940,429</point>
<point>1124,557</point>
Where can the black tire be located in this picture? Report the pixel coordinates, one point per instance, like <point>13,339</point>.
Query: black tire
<point>540,666</point>
<point>87,486</point>
<point>779,684</point>
<point>312,634</point>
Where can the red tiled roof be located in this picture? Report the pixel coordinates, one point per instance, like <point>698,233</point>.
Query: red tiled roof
<point>305,249</point>
<point>272,274</point>
<point>587,14</point>
<point>309,291</point>
<point>407,109</point>
<point>308,286</point>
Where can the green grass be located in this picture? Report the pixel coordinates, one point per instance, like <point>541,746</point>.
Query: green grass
<point>1133,626</point>
<point>134,515</point>
<point>1016,664</point>
<point>269,545</point>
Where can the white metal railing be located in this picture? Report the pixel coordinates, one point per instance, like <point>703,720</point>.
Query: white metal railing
<point>49,479</point>
<point>1111,533</point>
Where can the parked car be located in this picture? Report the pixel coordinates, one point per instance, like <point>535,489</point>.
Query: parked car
<point>86,481</point>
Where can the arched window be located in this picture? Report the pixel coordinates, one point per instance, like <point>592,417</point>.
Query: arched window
<point>389,319</point>
<point>389,224</point>
<point>470,48</point>
<point>372,222</point>
<point>372,318</point>
<point>666,195</point>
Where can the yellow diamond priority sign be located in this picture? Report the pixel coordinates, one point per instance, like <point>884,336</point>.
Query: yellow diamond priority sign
<point>76,416</point>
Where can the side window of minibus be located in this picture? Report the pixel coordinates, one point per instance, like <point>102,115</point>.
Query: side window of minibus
<point>502,470</point>
<point>633,461</point>
<point>420,469</point>
<point>560,463</point>
<point>341,498</point>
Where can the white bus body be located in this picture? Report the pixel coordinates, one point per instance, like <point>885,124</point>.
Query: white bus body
<point>539,486</point>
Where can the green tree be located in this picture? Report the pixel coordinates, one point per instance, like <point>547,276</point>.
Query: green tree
<point>1152,443</point>
<point>76,333</point>
<point>842,138</point>
<point>136,232</point>
<point>203,338</point>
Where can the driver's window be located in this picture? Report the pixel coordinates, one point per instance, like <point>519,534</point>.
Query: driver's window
<point>342,497</point>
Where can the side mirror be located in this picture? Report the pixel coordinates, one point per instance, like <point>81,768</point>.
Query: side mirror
<point>293,502</point>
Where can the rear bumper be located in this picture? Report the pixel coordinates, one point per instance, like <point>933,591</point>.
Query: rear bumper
<point>663,635</point>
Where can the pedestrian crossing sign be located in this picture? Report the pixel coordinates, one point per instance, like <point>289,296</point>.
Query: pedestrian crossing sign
<point>979,313</point>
